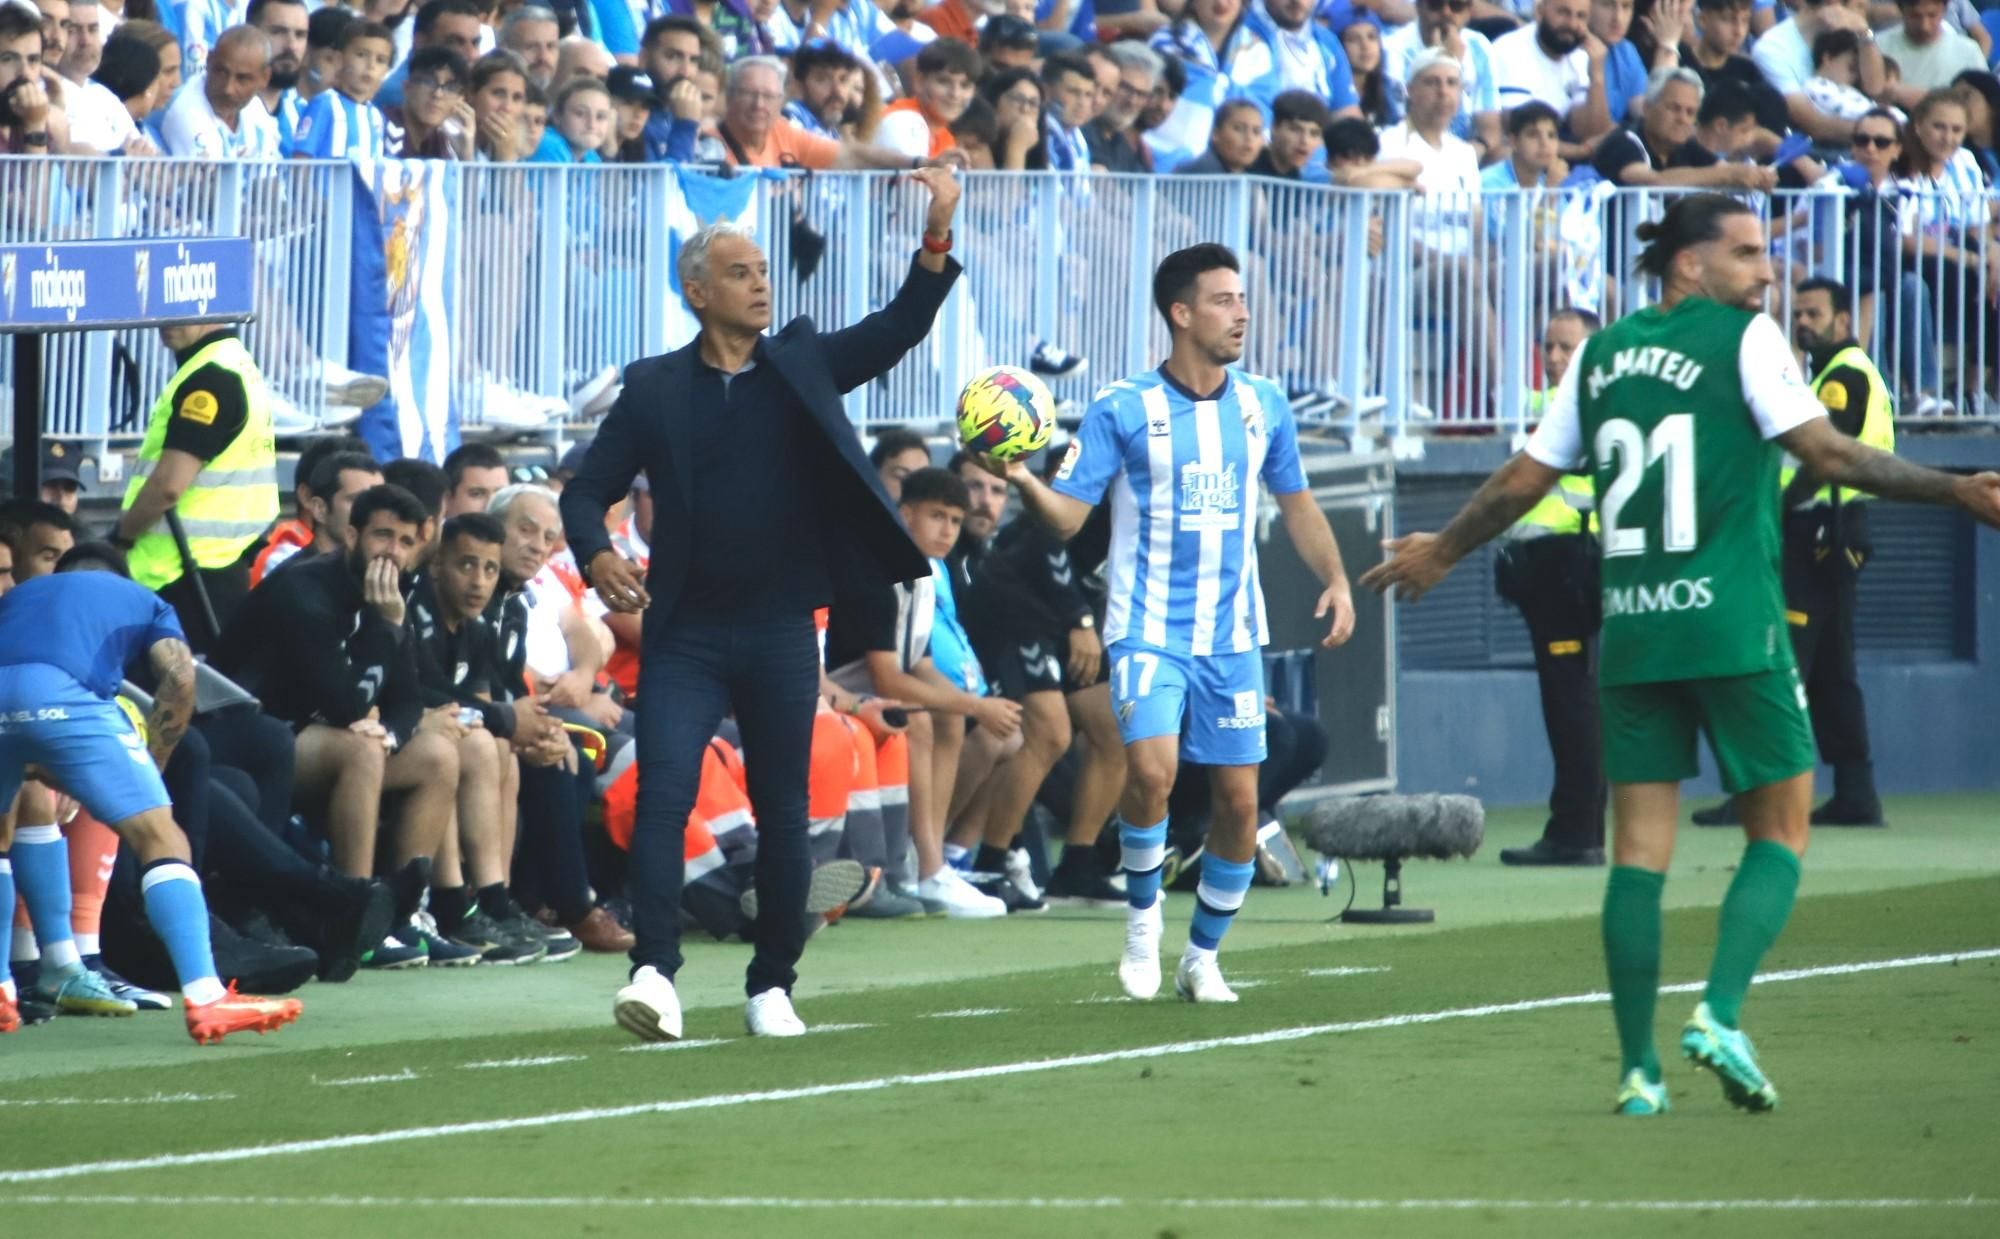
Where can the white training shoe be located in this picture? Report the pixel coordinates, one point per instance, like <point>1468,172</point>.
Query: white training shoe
<point>351,387</point>
<point>1139,969</point>
<point>770,1014</point>
<point>503,406</point>
<point>286,417</point>
<point>1021,875</point>
<point>649,1007</point>
<point>595,395</point>
<point>1199,979</point>
<point>945,891</point>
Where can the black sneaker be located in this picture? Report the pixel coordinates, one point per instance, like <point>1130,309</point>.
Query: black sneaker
<point>496,943</point>
<point>1723,814</point>
<point>557,943</point>
<point>1542,852</point>
<point>1079,886</point>
<point>256,968</point>
<point>998,886</point>
<point>1837,812</point>
<point>353,917</point>
<point>1056,363</point>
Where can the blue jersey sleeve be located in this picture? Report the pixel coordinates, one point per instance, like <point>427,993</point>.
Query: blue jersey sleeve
<point>1283,474</point>
<point>315,137</point>
<point>1096,454</point>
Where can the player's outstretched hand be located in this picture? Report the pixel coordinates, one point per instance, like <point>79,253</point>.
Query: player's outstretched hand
<point>618,582</point>
<point>1414,565</point>
<point>1979,494</point>
<point>1339,600</point>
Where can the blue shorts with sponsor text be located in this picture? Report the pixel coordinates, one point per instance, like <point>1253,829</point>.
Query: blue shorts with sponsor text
<point>1213,702</point>
<point>82,741</point>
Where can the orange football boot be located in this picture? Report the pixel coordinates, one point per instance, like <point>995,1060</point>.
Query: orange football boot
<point>209,1023</point>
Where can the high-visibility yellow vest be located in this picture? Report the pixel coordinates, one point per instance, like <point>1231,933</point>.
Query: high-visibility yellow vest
<point>1569,508</point>
<point>234,498</point>
<point>1878,421</point>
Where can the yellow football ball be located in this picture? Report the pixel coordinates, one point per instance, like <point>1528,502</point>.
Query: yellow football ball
<point>1005,412</point>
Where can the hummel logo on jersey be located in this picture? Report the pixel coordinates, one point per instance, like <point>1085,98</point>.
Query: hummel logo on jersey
<point>1682,595</point>
<point>1208,497</point>
<point>1157,424</point>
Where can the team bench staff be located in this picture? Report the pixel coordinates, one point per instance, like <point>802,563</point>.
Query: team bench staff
<point>766,504</point>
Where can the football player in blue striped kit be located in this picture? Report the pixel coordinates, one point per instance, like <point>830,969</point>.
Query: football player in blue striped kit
<point>1186,452</point>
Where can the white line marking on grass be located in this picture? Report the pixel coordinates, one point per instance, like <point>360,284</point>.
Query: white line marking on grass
<point>723,1101</point>
<point>825,1028</point>
<point>969,1013</point>
<point>152,1099</point>
<point>543,1060</point>
<point>1327,1204</point>
<point>1249,984</point>
<point>395,1078</point>
<point>693,1044</point>
<point>1344,972</point>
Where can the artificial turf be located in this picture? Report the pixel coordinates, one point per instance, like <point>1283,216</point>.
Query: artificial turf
<point>1888,1081</point>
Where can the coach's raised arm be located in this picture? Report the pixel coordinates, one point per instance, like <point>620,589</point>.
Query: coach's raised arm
<point>766,506</point>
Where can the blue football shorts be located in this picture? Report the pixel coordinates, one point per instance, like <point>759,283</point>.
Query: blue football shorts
<point>1213,702</point>
<point>84,742</point>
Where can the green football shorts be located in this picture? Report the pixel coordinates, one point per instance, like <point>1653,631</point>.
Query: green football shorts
<point>1756,726</point>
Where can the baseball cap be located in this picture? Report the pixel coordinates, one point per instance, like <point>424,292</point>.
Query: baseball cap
<point>60,462</point>
<point>633,86</point>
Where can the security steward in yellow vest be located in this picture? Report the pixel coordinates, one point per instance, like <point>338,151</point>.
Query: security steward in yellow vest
<point>1826,544</point>
<point>210,456</point>
<point>1547,567</point>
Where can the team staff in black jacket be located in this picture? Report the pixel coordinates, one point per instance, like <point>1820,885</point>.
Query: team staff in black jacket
<point>322,644</point>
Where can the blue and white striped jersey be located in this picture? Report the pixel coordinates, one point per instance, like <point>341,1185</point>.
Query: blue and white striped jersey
<point>1184,474</point>
<point>336,127</point>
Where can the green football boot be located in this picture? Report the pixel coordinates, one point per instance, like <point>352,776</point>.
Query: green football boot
<point>1727,1052</point>
<point>1640,1096</point>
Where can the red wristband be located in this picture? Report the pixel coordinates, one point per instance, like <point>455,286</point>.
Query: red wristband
<point>937,247</point>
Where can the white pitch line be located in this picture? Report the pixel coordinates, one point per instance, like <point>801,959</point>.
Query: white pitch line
<point>695,1043</point>
<point>968,1013</point>
<point>721,1101</point>
<point>153,1099</point>
<point>1344,972</point>
<point>396,1078</point>
<point>827,1028</point>
<point>543,1060</point>
<point>1326,1204</point>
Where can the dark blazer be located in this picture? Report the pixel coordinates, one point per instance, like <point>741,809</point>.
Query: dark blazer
<point>863,537</point>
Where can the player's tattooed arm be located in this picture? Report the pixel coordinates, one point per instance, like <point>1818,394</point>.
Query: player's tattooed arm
<point>1505,498</point>
<point>173,698</point>
<point>1833,457</point>
<point>1418,561</point>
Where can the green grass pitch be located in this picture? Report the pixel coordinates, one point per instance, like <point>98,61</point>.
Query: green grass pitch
<point>986,1079</point>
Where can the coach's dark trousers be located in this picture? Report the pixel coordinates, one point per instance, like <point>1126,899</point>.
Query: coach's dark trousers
<point>691,673</point>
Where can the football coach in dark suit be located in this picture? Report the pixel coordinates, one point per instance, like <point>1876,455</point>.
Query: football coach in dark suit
<point>765,503</point>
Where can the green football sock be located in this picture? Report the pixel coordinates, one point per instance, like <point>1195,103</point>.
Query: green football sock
<point>1632,957</point>
<point>1753,914</point>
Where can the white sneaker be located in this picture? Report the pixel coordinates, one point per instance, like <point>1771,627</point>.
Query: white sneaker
<point>351,387</point>
<point>1021,874</point>
<point>506,407</point>
<point>595,395</point>
<point>770,1014</point>
<point>288,418</point>
<point>1139,968</point>
<point>1199,979</point>
<point>946,892</point>
<point>649,1007</point>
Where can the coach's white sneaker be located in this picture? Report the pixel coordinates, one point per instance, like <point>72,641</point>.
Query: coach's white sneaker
<point>1199,979</point>
<point>1139,969</point>
<point>649,1007</point>
<point>946,892</point>
<point>770,1014</point>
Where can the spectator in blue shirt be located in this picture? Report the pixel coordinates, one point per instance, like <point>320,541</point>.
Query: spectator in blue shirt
<point>344,122</point>
<point>582,120</point>
<point>1297,54</point>
<point>1627,48</point>
<point>1377,92</point>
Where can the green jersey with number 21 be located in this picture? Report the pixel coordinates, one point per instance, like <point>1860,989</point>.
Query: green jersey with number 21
<point>1675,412</point>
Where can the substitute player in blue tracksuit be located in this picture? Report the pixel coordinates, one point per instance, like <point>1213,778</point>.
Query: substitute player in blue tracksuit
<point>1186,451</point>
<point>65,643</point>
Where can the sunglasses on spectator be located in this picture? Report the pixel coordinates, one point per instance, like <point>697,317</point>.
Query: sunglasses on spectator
<point>1456,6</point>
<point>1879,141</point>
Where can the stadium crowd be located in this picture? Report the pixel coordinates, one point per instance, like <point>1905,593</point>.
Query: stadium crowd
<point>1451,98</point>
<point>436,767</point>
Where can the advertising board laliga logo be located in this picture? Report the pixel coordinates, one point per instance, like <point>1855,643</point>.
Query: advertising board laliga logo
<point>142,276</point>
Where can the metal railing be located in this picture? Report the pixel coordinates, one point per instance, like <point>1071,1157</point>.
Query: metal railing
<point>1392,315</point>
